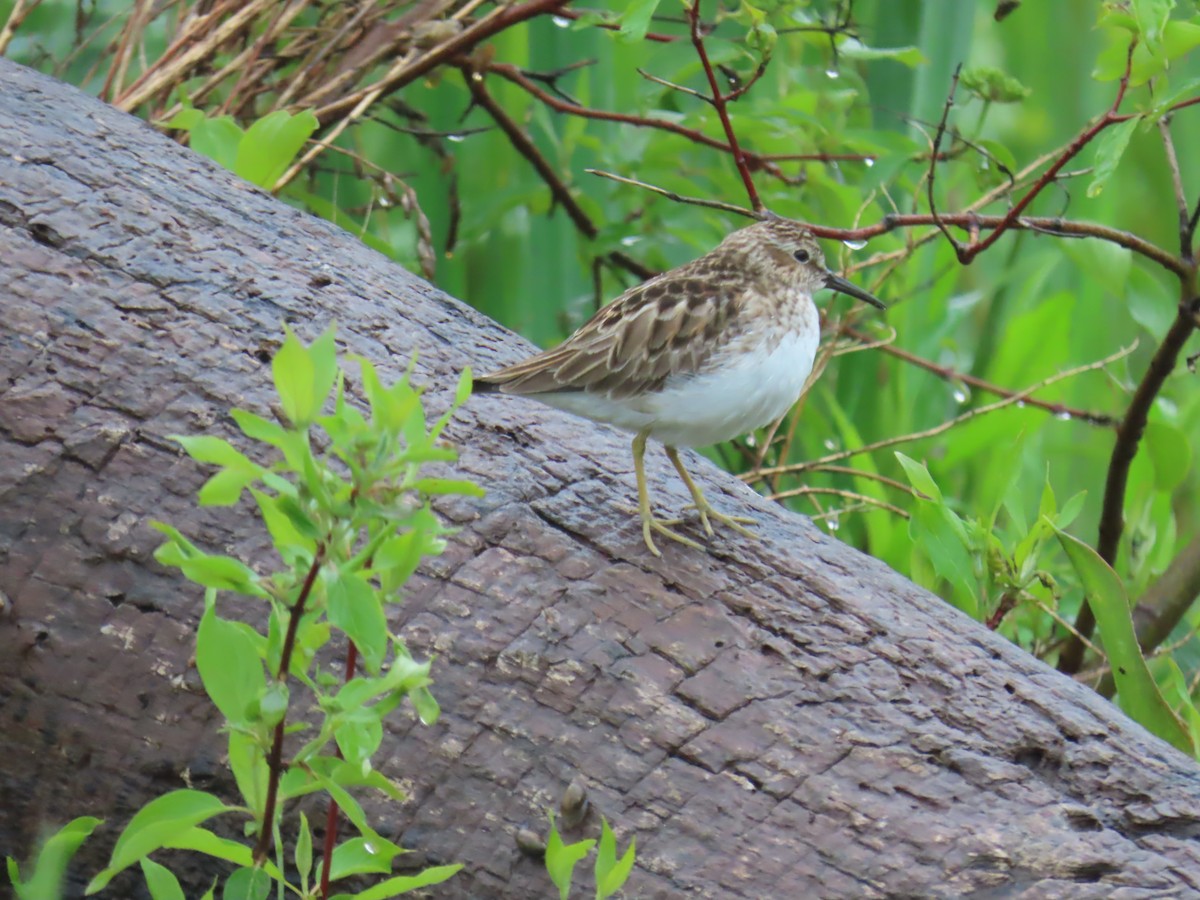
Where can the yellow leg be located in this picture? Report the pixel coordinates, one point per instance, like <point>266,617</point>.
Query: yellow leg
<point>705,508</point>
<point>649,522</point>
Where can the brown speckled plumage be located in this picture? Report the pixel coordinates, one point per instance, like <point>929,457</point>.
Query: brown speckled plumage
<point>700,354</point>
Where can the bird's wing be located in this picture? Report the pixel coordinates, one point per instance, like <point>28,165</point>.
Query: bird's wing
<point>669,325</point>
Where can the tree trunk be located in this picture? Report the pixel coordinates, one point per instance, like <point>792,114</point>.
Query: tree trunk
<point>777,718</point>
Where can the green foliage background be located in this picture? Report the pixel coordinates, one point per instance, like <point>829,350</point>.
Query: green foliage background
<point>1032,306</point>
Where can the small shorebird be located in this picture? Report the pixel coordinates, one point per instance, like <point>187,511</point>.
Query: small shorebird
<point>700,354</point>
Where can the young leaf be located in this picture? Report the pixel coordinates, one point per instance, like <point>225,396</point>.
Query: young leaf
<point>161,881</point>
<point>1139,694</point>
<point>304,857</point>
<point>224,573</point>
<point>250,771</point>
<point>247,883</point>
<point>218,139</point>
<point>611,873</point>
<point>1109,149</point>
<point>402,884</point>
<point>295,382</point>
<point>635,21</point>
<point>52,859</point>
<point>229,665</point>
<point>270,145</point>
<point>355,610</point>
<point>561,858</point>
<point>154,825</point>
<point>359,856</point>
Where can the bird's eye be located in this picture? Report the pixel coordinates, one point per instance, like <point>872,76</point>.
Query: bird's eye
<point>802,256</point>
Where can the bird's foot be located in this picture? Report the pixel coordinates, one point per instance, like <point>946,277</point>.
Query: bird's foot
<point>737,523</point>
<point>652,524</point>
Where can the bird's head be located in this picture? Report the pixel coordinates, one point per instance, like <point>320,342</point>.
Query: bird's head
<point>785,247</point>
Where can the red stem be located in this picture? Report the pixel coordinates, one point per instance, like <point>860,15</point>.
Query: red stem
<point>275,760</point>
<point>331,815</point>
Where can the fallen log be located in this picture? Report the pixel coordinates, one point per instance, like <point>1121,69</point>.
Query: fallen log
<point>777,718</point>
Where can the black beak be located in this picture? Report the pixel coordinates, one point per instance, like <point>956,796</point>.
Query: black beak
<point>841,285</point>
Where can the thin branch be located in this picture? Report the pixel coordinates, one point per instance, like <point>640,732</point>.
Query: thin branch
<point>678,198</point>
<point>933,160</point>
<point>524,145</point>
<point>967,254</point>
<point>275,761</point>
<point>860,499</point>
<point>1044,224</point>
<point>516,76</point>
<point>1019,397</point>
<point>718,101</point>
<point>574,14</point>
<point>948,374</point>
<point>1181,203</point>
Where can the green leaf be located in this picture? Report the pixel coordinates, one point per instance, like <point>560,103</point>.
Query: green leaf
<point>359,856</point>
<point>852,48</point>
<point>201,840</point>
<point>355,609</point>
<point>161,881</point>
<point>185,120</point>
<point>611,873</point>
<point>52,860</point>
<point>247,883</point>
<point>466,383</point>
<point>919,477</point>
<point>402,884</point>
<point>273,703</point>
<point>218,139</point>
<point>249,767</point>
<point>295,381</point>
<point>270,145</point>
<point>229,665</point>
<point>1110,147</point>
<point>225,488</point>
<point>1139,694</point>
<point>224,573</point>
<point>259,429</point>
<point>448,486</point>
<point>1152,17</point>
<point>155,824</point>
<point>561,858</point>
<point>635,20</point>
<point>304,849</point>
<point>425,704</point>
<point>216,451</point>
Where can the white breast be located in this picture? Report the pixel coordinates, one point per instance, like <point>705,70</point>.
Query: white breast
<point>746,392</point>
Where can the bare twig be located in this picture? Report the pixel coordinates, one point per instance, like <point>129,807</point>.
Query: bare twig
<point>719,103</point>
<point>678,198</point>
<point>861,499</point>
<point>516,76</point>
<point>945,372</point>
<point>1181,203</point>
<point>933,160</point>
<point>1019,397</point>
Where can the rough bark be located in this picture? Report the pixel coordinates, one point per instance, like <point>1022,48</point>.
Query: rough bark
<point>782,717</point>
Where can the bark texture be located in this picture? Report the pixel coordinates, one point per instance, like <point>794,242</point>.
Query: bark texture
<point>779,718</point>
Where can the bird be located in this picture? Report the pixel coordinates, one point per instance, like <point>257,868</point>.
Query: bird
<point>700,354</point>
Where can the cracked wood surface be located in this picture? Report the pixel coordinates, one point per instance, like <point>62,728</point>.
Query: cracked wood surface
<point>781,718</point>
